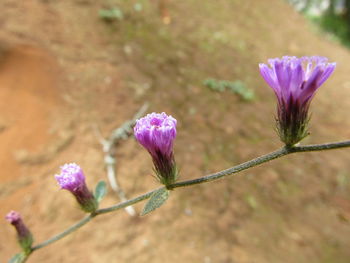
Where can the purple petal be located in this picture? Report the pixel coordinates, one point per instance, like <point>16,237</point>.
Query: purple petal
<point>326,74</point>
<point>269,77</point>
<point>311,85</point>
<point>283,78</point>
<point>297,79</point>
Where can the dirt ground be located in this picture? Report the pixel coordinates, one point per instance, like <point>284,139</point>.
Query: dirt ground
<point>65,71</point>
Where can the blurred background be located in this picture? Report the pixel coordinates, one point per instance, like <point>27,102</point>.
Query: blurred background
<point>69,66</point>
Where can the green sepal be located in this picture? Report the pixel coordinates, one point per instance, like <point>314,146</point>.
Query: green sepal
<point>26,243</point>
<point>157,199</point>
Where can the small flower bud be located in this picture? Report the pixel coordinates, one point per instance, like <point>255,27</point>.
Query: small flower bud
<point>72,179</point>
<point>25,238</point>
<point>156,133</point>
<point>295,81</point>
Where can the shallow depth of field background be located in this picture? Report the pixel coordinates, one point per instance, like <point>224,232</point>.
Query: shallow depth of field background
<point>68,66</point>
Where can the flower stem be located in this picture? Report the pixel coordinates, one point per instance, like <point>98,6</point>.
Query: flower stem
<point>321,147</point>
<point>126,203</point>
<point>262,159</point>
<point>215,176</point>
<point>86,219</point>
<point>233,170</point>
<point>66,232</point>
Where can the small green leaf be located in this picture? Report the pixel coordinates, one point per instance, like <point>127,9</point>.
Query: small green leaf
<point>157,199</point>
<point>18,258</point>
<point>100,191</point>
<point>111,14</point>
<point>238,87</point>
<point>138,7</point>
<point>252,201</point>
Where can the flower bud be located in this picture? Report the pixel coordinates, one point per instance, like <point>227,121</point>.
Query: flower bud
<point>295,81</point>
<point>24,237</point>
<point>156,133</point>
<point>72,179</point>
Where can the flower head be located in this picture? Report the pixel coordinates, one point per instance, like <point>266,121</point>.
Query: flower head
<point>72,179</point>
<point>24,236</point>
<point>156,133</point>
<point>295,81</point>
<point>13,217</point>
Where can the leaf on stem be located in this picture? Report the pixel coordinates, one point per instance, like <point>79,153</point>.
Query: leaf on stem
<point>157,199</point>
<point>100,191</point>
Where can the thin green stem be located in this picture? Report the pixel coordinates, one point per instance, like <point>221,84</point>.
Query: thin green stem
<point>215,176</point>
<point>233,170</point>
<point>321,147</point>
<point>86,219</point>
<point>262,159</point>
<point>126,203</point>
<point>69,230</point>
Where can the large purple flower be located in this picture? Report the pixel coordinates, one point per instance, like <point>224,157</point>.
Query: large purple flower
<point>72,179</point>
<point>295,81</point>
<point>24,236</point>
<point>156,133</point>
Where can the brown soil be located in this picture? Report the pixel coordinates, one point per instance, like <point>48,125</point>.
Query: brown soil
<point>64,71</point>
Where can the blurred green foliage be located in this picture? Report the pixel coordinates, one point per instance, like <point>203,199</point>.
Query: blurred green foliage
<point>333,16</point>
<point>117,12</point>
<point>111,14</point>
<point>236,87</point>
<point>334,24</point>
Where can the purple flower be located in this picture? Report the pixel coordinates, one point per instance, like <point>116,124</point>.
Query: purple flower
<point>295,81</point>
<point>72,179</point>
<point>156,133</point>
<point>24,236</point>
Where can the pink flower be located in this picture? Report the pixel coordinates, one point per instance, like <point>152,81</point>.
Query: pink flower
<point>24,236</point>
<point>295,81</point>
<point>72,179</point>
<point>156,132</point>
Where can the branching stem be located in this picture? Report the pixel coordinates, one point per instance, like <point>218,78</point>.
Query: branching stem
<point>212,177</point>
